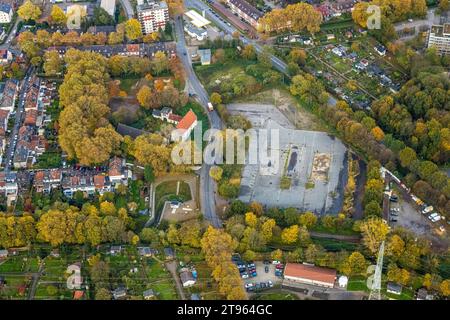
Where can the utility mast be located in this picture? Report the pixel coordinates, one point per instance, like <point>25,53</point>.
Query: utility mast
<point>375,291</point>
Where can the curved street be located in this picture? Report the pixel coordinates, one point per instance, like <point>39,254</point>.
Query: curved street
<point>207,185</point>
<point>128,7</point>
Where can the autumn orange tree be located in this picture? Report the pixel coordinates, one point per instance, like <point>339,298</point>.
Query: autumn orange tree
<point>295,17</point>
<point>218,246</point>
<point>84,130</point>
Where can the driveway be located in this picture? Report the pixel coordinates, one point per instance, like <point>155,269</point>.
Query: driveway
<point>172,267</point>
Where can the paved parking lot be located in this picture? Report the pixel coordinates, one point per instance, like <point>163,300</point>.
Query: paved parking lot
<point>411,219</point>
<point>301,148</point>
<point>262,276</point>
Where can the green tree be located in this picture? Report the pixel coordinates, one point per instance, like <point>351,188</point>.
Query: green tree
<point>216,98</point>
<point>407,156</point>
<point>149,175</point>
<point>372,209</point>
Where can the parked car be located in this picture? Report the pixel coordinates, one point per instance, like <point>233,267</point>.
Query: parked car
<point>244,276</point>
<point>436,219</point>
<point>266,269</point>
<point>395,214</point>
<point>266,262</point>
<point>270,284</point>
<point>276,262</point>
<point>279,266</point>
<point>393,220</point>
<point>248,285</point>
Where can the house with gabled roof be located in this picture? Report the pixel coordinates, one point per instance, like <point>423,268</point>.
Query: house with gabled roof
<point>185,126</point>
<point>10,92</point>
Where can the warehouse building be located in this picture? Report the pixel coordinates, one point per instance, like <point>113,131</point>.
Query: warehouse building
<point>310,274</point>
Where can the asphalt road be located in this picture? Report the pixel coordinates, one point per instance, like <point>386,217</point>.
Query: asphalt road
<point>195,87</point>
<point>429,21</point>
<point>11,36</point>
<point>18,120</point>
<point>129,10</point>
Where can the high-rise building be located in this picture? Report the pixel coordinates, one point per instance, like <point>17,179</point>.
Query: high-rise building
<point>439,37</point>
<point>153,16</point>
<point>6,12</point>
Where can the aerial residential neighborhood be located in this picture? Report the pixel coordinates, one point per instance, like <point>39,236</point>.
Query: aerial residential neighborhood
<point>254,150</point>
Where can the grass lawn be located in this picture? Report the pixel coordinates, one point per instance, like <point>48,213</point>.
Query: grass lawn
<point>220,71</point>
<point>357,283</point>
<point>32,264</point>
<point>11,289</point>
<point>160,280</point>
<point>343,230</point>
<point>335,245</point>
<point>165,290</point>
<point>167,191</point>
<point>13,264</point>
<point>127,83</point>
<point>275,295</point>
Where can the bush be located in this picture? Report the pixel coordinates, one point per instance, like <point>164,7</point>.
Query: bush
<point>228,190</point>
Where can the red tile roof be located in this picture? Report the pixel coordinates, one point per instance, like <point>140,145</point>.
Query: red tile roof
<point>175,117</point>
<point>3,113</point>
<point>115,167</point>
<point>77,295</point>
<point>187,120</point>
<point>99,181</point>
<point>310,272</point>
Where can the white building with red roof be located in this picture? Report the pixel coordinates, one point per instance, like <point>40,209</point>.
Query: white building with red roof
<point>186,125</point>
<point>309,274</point>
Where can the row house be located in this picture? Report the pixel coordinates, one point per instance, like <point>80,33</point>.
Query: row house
<point>32,94</point>
<point>129,50</point>
<point>4,115</point>
<point>5,56</point>
<point>73,181</point>
<point>31,141</point>
<point>72,184</point>
<point>9,95</point>
<point>339,7</point>
<point>87,184</point>
<point>46,180</point>
<point>8,186</point>
<point>117,171</point>
<point>245,11</point>
<point>29,146</point>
